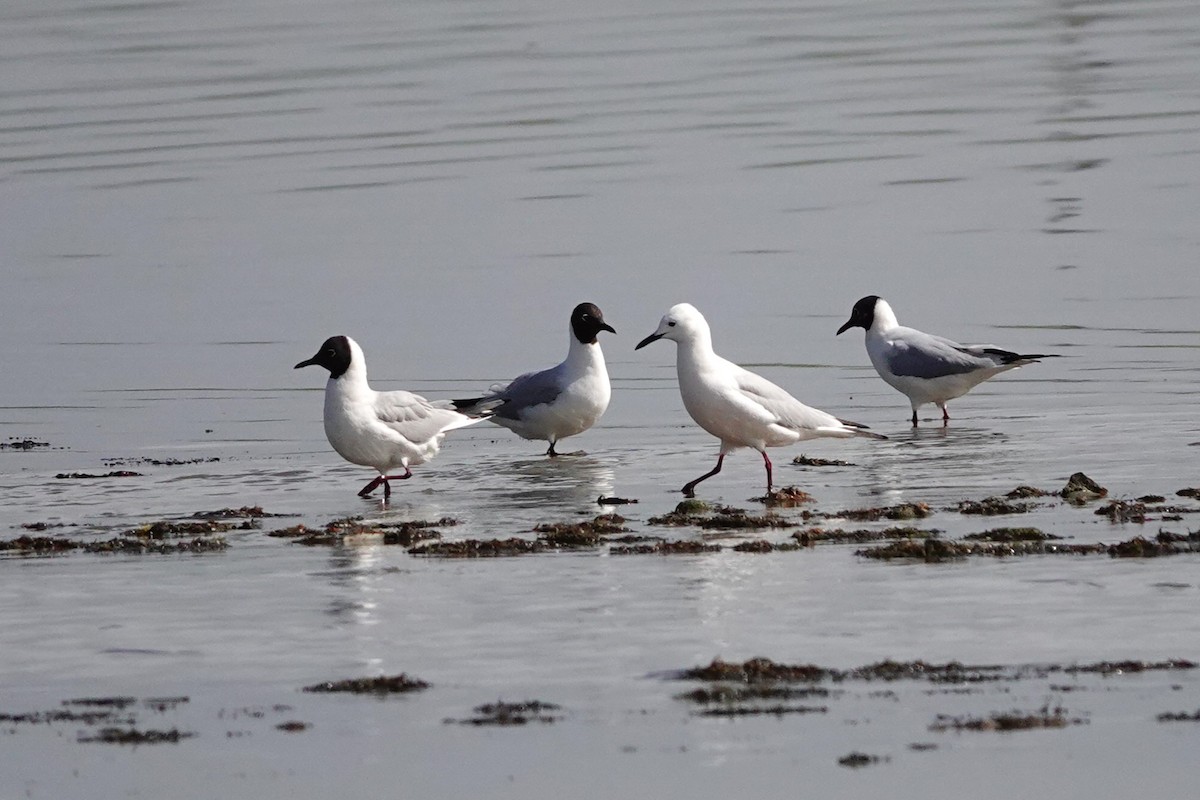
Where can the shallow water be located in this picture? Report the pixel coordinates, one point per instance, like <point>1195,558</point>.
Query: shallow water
<point>194,195</point>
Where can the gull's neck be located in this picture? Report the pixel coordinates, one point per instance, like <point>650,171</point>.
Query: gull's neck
<point>696,350</point>
<point>885,318</point>
<point>583,356</point>
<point>353,382</point>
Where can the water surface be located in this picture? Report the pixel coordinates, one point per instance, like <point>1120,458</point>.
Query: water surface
<point>193,195</point>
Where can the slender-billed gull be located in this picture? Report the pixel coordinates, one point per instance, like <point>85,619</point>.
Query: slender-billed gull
<point>737,406</point>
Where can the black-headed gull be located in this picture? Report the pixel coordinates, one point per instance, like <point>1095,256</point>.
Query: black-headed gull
<point>927,368</point>
<point>740,408</point>
<point>561,401</point>
<point>384,430</point>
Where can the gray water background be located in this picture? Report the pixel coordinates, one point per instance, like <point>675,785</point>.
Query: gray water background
<point>194,194</point>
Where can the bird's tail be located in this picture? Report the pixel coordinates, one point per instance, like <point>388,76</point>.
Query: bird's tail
<point>1006,357</point>
<point>477,406</point>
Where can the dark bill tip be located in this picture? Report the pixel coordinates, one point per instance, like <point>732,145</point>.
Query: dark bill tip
<point>849,324</point>
<point>307,363</point>
<point>654,337</point>
<point>604,326</point>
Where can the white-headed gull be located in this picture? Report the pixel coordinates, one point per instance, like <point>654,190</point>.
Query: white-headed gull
<point>927,368</point>
<point>383,430</point>
<point>561,401</point>
<point>740,408</point>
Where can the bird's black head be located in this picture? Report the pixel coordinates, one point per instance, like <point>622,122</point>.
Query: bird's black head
<point>334,356</point>
<point>862,315</point>
<point>587,320</point>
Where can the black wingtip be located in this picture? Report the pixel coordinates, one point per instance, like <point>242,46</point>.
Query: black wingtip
<point>1009,357</point>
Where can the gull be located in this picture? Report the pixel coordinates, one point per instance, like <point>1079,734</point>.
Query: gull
<point>737,406</point>
<point>561,401</point>
<point>927,368</point>
<point>383,430</point>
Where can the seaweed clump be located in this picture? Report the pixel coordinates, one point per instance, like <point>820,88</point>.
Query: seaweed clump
<point>164,529</point>
<point>1010,535</point>
<point>1123,511</point>
<point>39,545</point>
<point>812,536</point>
<point>935,550</point>
<point>1107,668</point>
<point>856,759</point>
<point>675,548</point>
<point>507,714</point>
<point>727,694</point>
<point>805,461</point>
<point>1141,547</point>
<point>381,685</point>
<point>902,511</point>
<point>991,506</point>
<point>763,546</point>
<point>762,671</point>
<point>22,444</point>
<point>757,670</point>
<point>245,512</point>
<point>134,736</point>
<point>479,548</point>
<point>928,550</point>
<point>778,710</point>
<point>1181,716</point>
<point>132,545</point>
<point>158,462</point>
<point>710,517</point>
<point>405,534</point>
<point>117,714</point>
<point>754,688</point>
<point>580,534</point>
<point>157,537</point>
<point>728,518</point>
<point>1024,492</point>
<point>1045,717</point>
<point>87,476</point>
<point>686,512</point>
<point>787,497</point>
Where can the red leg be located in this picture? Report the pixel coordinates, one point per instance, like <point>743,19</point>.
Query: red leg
<point>914,418</point>
<point>767,462</point>
<point>690,489</point>
<point>552,452</point>
<point>387,487</point>
<point>945,413</point>
<point>372,486</point>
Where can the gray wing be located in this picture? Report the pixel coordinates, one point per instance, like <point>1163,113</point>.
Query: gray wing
<point>414,417</point>
<point>781,406</point>
<point>919,355</point>
<point>528,390</point>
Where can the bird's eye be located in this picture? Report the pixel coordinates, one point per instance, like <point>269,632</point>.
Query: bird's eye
<point>330,351</point>
<point>671,324</point>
